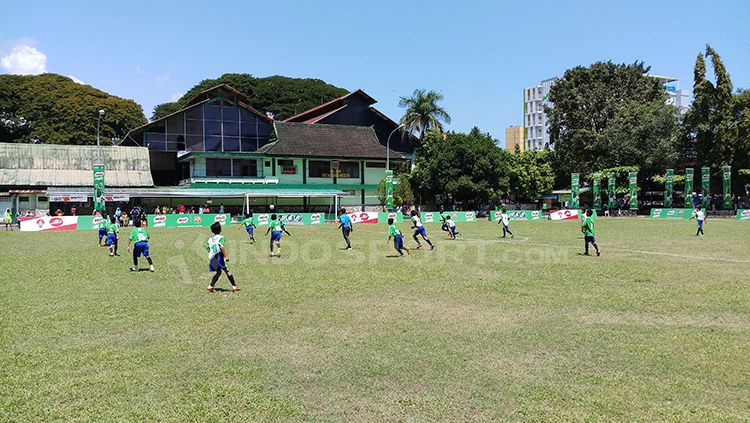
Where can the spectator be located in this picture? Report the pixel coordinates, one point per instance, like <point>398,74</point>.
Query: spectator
<point>221,209</point>
<point>164,210</point>
<point>73,211</point>
<point>157,210</point>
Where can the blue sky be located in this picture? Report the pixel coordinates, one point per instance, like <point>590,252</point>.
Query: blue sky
<point>479,54</point>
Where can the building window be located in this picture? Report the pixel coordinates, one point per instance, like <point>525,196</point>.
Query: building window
<point>218,167</point>
<point>42,199</point>
<point>375,165</point>
<point>245,168</point>
<point>348,170</point>
<point>319,169</point>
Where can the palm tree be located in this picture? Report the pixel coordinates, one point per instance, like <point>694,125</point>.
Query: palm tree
<point>422,112</point>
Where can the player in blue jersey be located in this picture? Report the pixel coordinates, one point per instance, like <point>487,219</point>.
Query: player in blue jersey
<point>419,230</point>
<point>346,227</point>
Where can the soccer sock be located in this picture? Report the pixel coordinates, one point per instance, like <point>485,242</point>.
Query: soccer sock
<point>231,279</point>
<point>135,260</point>
<point>596,247</point>
<point>587,248</point>
<point>215,278</point>
<point>150,262</point>
<point>429,242</point>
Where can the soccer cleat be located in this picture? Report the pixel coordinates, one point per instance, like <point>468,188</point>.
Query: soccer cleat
<point>133,269</point>
<point>598,253</point>
<point>512,236</point>
<point>419,246</point>
<point>210,288</point>
<point>235,288</point>
<point>432,247</point>
<point>151,268</point>
<point>111,254</point>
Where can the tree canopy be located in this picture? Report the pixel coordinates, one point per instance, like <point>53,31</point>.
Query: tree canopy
<point>280,95</point>
<point>423,112</point>
<point>53,109</point>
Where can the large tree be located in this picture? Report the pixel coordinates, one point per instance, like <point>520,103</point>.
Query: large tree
<point>280,95</point>
<point>423,112</point>
<point>467,169</point>
<point>55,110</point>
<point>530,174</point>
<point>584,103</point>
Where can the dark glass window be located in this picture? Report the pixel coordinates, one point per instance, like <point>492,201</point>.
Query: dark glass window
<point>231,144</point>
<point>249,144</point>
<point>213,128</point>
<point>176,125</point>
<point>213,143</point>
<point>194,142</point>
<point>194,113</point>
<point>218,167</point>
<point>319,168</point>
<point>194,127</point>
<point>231,129</point>
<point>155,136</point>
<point>230,114</point>
<point>348,169</point>
<point>245,167</point>
<point>212,112</point>
<point>249,129</point>
<point>157,145</point>
<point>375,165</point>
<point>175,142</point>
<point>285,162</point>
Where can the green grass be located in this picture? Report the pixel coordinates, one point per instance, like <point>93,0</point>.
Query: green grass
<point>657,328</point>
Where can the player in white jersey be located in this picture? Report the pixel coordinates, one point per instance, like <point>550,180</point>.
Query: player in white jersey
<point>419,230</point>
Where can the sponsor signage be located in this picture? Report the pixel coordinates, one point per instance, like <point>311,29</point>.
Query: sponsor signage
<point>72,198</point>
<point>49,223</point>
<point>186,220</point>
<point>520,215</point>
<point>743,214</point>
<point>665,213</point>
<point>563,214</point>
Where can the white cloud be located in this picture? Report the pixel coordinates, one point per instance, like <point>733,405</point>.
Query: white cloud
<point>24,59</point>
<point>76,80</point>
<point>176,96</point>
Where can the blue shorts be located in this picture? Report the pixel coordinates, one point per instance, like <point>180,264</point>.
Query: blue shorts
<point>217,263</point>
<point>700,224</point>
<point>398,242</point>
<point>275,236</point>
<point>589,239</point>
<point>421,231</point>
<point>111,239</point>
<point>102,233</point>
<point>249,229</point>
<point>141,248</point>
<point>452,229</point>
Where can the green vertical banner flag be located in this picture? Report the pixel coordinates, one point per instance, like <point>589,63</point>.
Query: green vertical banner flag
<point>611,190</point>
<point>633,190</point>
<point>668,188</point>
<point>689,177</point>
<point>575,189</point>
<point>389,189</point>
<point>597,192</point>
<point>706,186</point>
<point>99,190</point>
<point>726,172</point>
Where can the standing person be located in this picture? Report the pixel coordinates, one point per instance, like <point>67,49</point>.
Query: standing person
<point>276,227</point>
<point>221,209</point>
<point>118,215</point>
<point>73,211</point>
<point>505,220</point>
<point>8,219</point>
<point>113,236</point>
<point>346,227</point>
<point>419,230</point>
<point>217,258</point>
<point>140,237</point>
<point>700,217</point>
<point>249,226</point>
<point>589,234</point>
<point>157,210</point>
<point>103,227</point>
<point>452,230</point>
<point>398,239</point>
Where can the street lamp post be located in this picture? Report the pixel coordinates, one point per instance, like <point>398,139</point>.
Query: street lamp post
<point>388,147</point>
<point>98,120</point>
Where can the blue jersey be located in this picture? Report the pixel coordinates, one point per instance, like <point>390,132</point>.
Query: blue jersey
<point>346,221</point>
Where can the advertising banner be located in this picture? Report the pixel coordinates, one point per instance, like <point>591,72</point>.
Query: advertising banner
<point>384,216</point>
<point>743,214</point>
<point>364,217</point>
<point>668,188</point>
<point>430,217</point>
<point>49,223</point>
<point>671,213</point>
<point>388,189</point>
<point>71,198</point>
<point>564,214</point>
<point>706,186</point>
<point>633,190</point>
<point>457,216</point>
<point>99,189</point>
<point>611,190</point>
<point>520,215</point>
<point>689,177</point>
<point>88,222</point>
<point>726,173</point>
<point>597,192</point>
<point>186,220</point>
<point>575,190</point>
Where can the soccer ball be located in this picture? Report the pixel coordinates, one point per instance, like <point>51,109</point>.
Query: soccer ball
<point>271,207</point>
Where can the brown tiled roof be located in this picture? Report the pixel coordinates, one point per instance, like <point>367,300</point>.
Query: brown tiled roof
<point>321,140</point>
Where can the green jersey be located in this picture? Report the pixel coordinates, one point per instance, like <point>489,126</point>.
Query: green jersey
<point>588,226</point>
<point>248,222</point>
<point>103,224</point>
<point>139,235</point>
<point>214,245</point>
<point>393,230</point>
<point>113,228</point>
<point>276,225</point>
<point>8,217</point>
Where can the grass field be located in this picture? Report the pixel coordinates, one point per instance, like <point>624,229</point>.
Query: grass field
<point>657,328</point>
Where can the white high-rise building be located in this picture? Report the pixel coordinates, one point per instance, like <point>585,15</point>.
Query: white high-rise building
<point>535,123</point>
<point>677,97</point>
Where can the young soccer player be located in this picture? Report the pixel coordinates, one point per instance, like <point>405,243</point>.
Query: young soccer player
<point>139,236</point>
<point>398,239</point>
<point>452,231</point>
<point>505,219</point>
<point>113,236</point>
<point>419,230</point>
<point>217,258</point>
<point>8,219</point>
<point>249,226</point>
<point>589,235</point>
<point>276,227</point>
<point>700,217</point>
<point>103,226</point>
<point>346,227</point>
<point>443,222</point>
